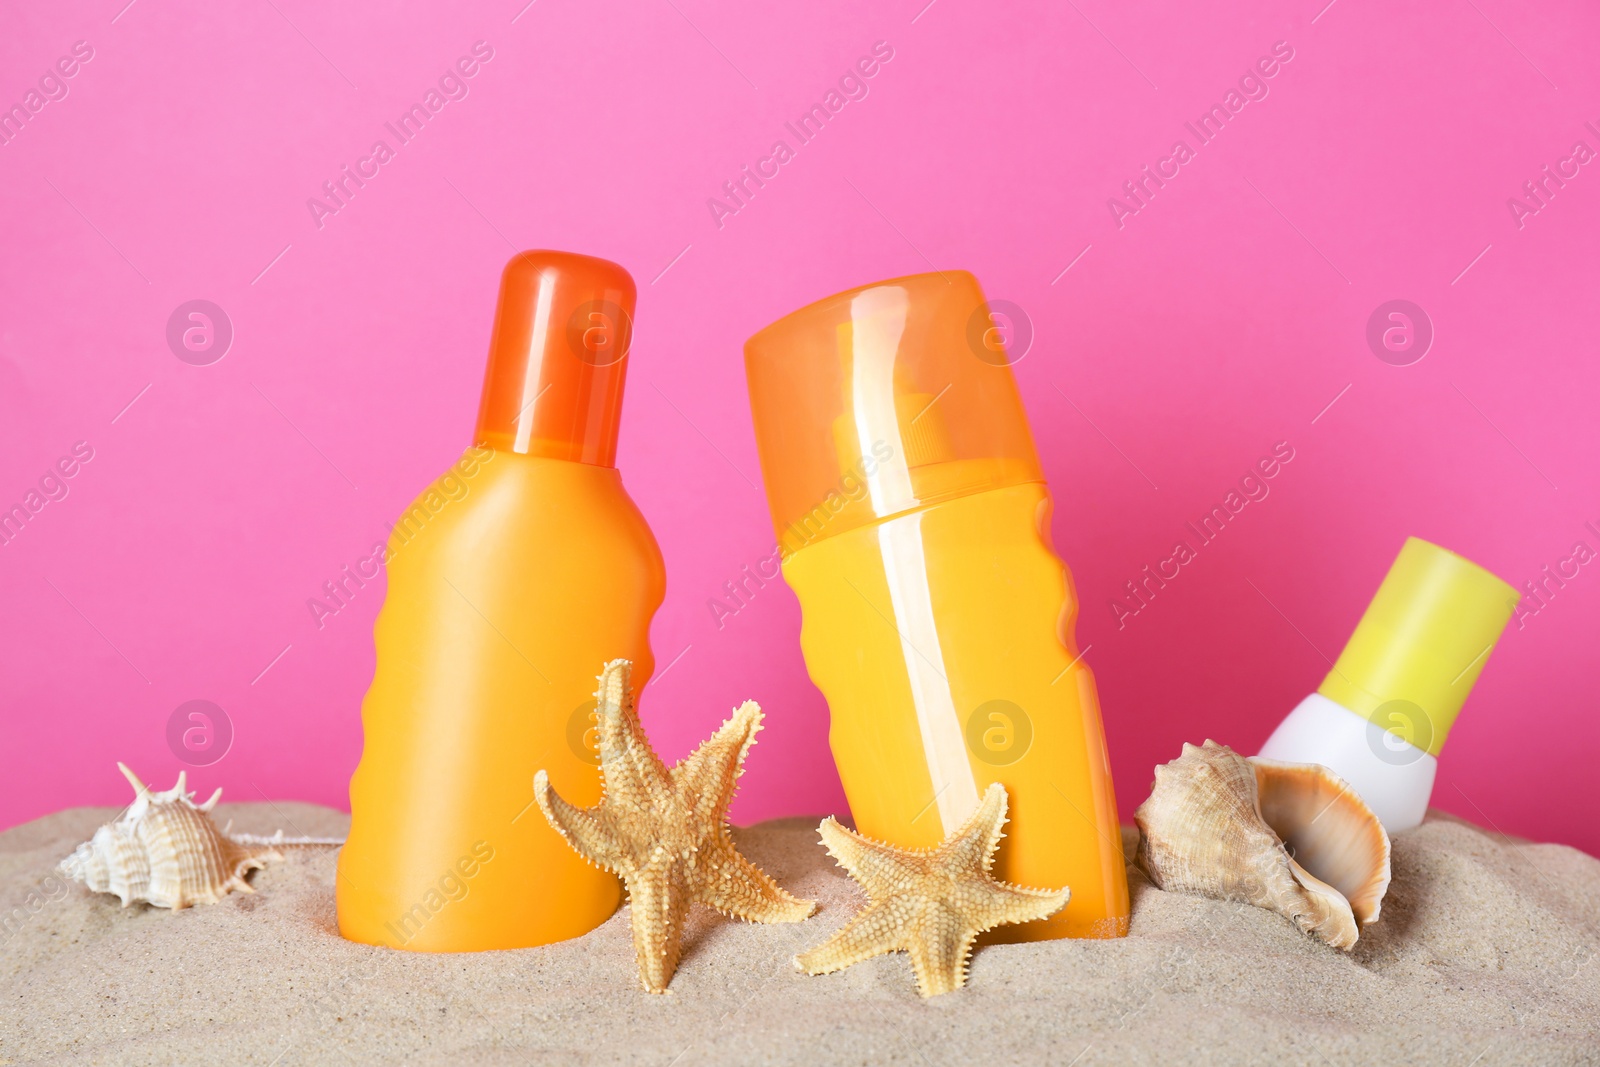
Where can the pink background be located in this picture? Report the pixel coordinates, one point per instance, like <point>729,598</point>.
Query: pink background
<point>1223,317</point>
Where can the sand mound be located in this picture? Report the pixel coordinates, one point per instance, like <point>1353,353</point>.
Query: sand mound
<point>1486,953</point>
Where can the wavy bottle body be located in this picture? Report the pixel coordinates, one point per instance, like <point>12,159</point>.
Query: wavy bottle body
<point>937,619</point>
<point>512,580</point>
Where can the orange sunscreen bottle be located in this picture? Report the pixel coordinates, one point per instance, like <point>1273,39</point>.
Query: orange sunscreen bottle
<point>914,526</point>
<point>512,580</point>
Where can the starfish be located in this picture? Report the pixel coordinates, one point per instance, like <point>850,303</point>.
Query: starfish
<point>666,832</point>
<point>932,903</point>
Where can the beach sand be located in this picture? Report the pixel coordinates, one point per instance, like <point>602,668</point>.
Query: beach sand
<point>1486,954</point>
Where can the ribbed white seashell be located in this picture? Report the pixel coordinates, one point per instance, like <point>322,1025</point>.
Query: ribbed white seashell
<point>166,851</point>
<point>1290,837</point>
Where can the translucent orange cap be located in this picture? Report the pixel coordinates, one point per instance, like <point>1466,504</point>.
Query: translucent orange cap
<point>883,399</point>
<point>557,358</point>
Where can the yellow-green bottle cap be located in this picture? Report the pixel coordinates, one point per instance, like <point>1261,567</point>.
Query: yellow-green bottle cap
<point>1422,643</point>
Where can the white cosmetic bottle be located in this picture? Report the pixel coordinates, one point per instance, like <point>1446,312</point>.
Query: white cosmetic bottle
<point>1381,715</point>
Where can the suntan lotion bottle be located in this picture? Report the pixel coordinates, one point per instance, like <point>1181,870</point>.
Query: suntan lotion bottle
<point>1382,714</point>
<point>510,585</point>
<point>913,524</point>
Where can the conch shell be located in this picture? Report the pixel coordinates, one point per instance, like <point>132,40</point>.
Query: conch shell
<point>166,851</point>
<point>1293,838</point>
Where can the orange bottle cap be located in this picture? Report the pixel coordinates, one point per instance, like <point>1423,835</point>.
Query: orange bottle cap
<point>882,399</point>
<point>557,358</point>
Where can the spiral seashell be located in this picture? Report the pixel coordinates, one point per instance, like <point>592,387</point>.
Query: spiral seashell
<point>166,851</point>
<point>1293,838</point>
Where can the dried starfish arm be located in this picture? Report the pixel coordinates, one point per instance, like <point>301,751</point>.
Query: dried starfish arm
<point>658,901</point>
<point>972,846</point>
<point>940,951</point>
<point>587,831</point>
<point>876,870</point>
<point>871,932</point>
<point>635,775</point>
<point>701,778</point>
<point>747,892</point>
<point>1007,903</point>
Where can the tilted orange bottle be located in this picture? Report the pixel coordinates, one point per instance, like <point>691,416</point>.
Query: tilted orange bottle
<point>913,523</point>
<point>512,580</point>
